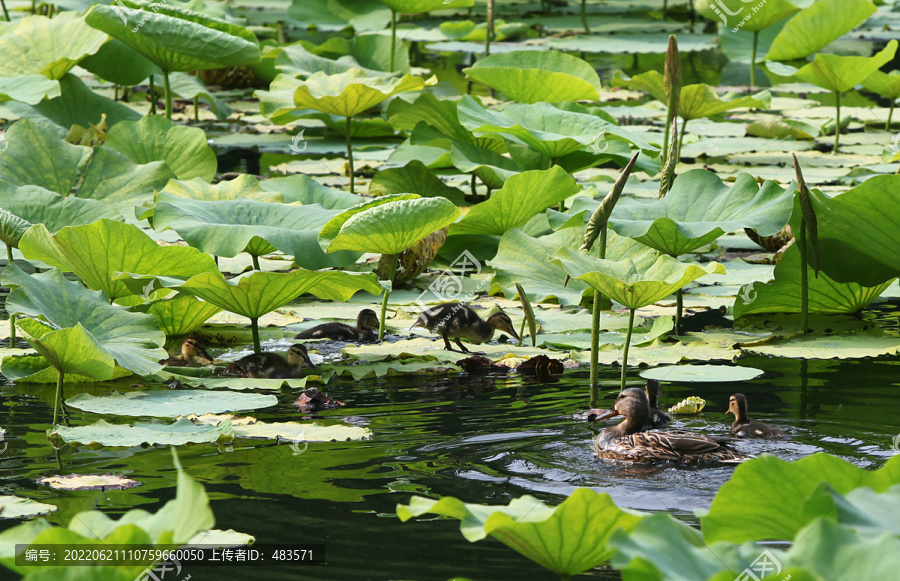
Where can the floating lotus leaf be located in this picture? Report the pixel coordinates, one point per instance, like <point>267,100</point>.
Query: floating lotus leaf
<point>568,539</point>
<point>837,73</point>
<point>169,404</point>
<point>88,482</point>
<point>18,507</point>
<point>387,225</point>
<point>417,6</point>
<point>47,46</point>
<point>179,433</point>
<point>535,76</point>
<point>302,432</point>
<point>702,374</point>
<point>699,208</point>
<point>362,15</point>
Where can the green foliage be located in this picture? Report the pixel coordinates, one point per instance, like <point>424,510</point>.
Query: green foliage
<point>47,46</point>
<point>536,76</point>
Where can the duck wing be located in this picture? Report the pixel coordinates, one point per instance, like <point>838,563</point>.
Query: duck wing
<point>681,442</point>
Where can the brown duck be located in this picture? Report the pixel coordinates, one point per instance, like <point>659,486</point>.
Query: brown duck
<point>192,353</point>
<point>744,427</point>
<point>626,442</point>
<point>365,329</point>
<point>270,365</point>
<point>457,321</point>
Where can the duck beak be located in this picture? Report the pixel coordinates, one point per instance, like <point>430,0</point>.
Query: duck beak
<point>729,412</point>
<point>512,332</point>
<point>308,362</point>
<point>607,414</point>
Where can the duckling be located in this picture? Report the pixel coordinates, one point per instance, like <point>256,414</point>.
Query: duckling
<point>657,419</point>
<point>272,365</point>
<point>744,427</point>
<point>462,322</point>
<point>366,326</point>
<point>192,352</point>
<point>626,442</point>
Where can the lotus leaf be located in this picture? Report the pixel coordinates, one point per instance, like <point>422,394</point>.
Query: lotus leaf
<point>11,228</point>
<point>492,168</point>
<point>886,85</point>
<point>829,346</point>
<point>18,507</point>
<point>37,369</point>
<point>568,539</point>
<point>181,432</point>
<point>93,326</point>
<point>169,404</point>
<point>417,6</point>
<point>817,26</point>
<point>413,178</point>
<point>243,187</point>
<point>749,497</point>
<point>116,62</point>
<point>31,89</point>
<point>45,46</point>
<point>733,12</point>
<point>837,73</point>
<point>229,227</point>
<point>114,179</point>
<point>295,61</point>
<point>702,373</point>
<point>362,15</point>
<point>441,115</point>
<point>304,189</point>
<point>153,138</point>
<point>387,225</point>
<point>535,76</point>
<point>37,156</point>
<point>517,202</point>
<point>95,252</point>
<point>302,432</point>
<point>699,208</point>
<point>783,294</point>
<point>180,315</point>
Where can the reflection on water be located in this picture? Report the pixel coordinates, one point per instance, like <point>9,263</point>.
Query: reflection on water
<point>483,439</point>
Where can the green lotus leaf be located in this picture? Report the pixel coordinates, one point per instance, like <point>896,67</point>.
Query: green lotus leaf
<point>859,232</point>
<point>95,252</point>
<point>304,189</point>
<point>817,26</point>
<point>113,178</point>
<point>387,225</point>
<point>12,228</point>
<point>441,115</point>
<point>37,156</point>
<point>116,62</point>
<point>549,130</point>
<point>837,73</point>
<point>699,208</point>
<point>567,539</point>
<point>733,12</point>
<point>362,15</point>
<point>418,6</point>
<point>699,101</point>
<point>295,61</point>
<point>517,202</point>
<point>492,168</point>
<point>783,294</point>
<point>155,138</point>
<point>179,433</point>
<point>37,369</point>
<point>468,30</point>
<point>885,84</point>
<point>39,206</point>
<point>169,404</point>
<point>535,76</point>
<point>180,315</point>
<point>175,39</point>
<point>350,93</point>
<point>302,432</point>
<point>31,89</point>
<point>17,507</point>
<point>370,51</point>
<point>47,46</point>
<point>755,496</point>
<point>243,187</point>
<point>414,178</point>
<point>132,339</point>
<point>867,511</point>
<point>229,227</point>
<point>627,283</point>
<point>651,82</point>
<point>782,128</point>
<point>78,105</point>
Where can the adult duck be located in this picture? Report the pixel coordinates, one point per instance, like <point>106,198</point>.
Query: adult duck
<point>457,321</point>
<point>365,329</point>
<point>270,365</point>
<point>743,426</point>
<point>192,353</point>
<point>626,442</point>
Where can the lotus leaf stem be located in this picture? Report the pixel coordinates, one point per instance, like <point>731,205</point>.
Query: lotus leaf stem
<point>196,108</point>
<point>522,333</point>
<point>12,317</point>
<point>393,40</point>
<point>5,11</point>
<point>804,279</point>
<point>254,328</point>
<point>152,97</point>
<point>387,293</point>
<point>489,32</point>
<point>887,126</point>
<point>59,393</point>
<point>350,156</point>
<point>168,95</point>
<point>753,59</point>
<point>665,13</point>
<point>837,121</point>
<point>684,123</point>
<point>584,22</point>
<point>627,345</point>
<point>595,348</point>
<point>255,260</point>
<point>679,309</point>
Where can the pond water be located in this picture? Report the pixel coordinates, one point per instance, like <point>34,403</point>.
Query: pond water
<point>484,439</point>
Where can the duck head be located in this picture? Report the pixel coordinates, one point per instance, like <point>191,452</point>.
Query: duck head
<point>367,320</point>
<point>737,406</point>
<point>297,356</point>
<point>631,403</point>
<point>500,321</point>
<point>192,350</point>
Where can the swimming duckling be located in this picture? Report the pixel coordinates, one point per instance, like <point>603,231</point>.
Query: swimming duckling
<point>657,419</point>
<point>626,442</point>
<point>192,352</point>
<point>453,320</point>
<point>744,427</point>
<point>272,365</point>
<point>365,329</point>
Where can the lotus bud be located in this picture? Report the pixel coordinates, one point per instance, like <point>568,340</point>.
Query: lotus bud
<point>601,215</point>
<point>667,177</point>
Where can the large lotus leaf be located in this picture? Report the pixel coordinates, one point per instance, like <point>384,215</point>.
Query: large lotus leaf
<point>546,129</point>
<point>255,294</point>
<point>179,433</point>
<point>699,101</point>
<point>766,495</point>
<point>229,227</point>
<point>277,104</point>
<point>155,138</point>
<point>442,115</point>
<point>37,156</point>
<point>295,61</point>
<point>37,369</point>
<point>133,339</point>
<point>417,6</point>
<point>304,189</point>
<point>627,283</point>
<point>116,62</point>
<point>699,208</point>
<point>12,228</point>
<point>885,84</point>
<point>651,82</point>
<point>175,39</point>
<point>413,178</point>
<point>243,187</point>
<point>360,14</point>
<point>72,350</point>
<point>180,315</point>
<point>517,202</point>
<point>865,510</point>
<point>859,232</point>
<point>39,206</point>
<point>45,46</point>
<point>817,26</point>
<point>29,89</point>
<point>492,168</point>
<point>837,73</point>
<point>387,225</point>
<point>783,294</point>
<point>831,552</point>
<point>535,76</point>
<point>733,12</point>
<point>350,93</point>
<point>95,252</point>
<point>568,539</point>
<point>301,432</point>
<point>113,178</point>
<point>170,404</point>
<point>17,507</point>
